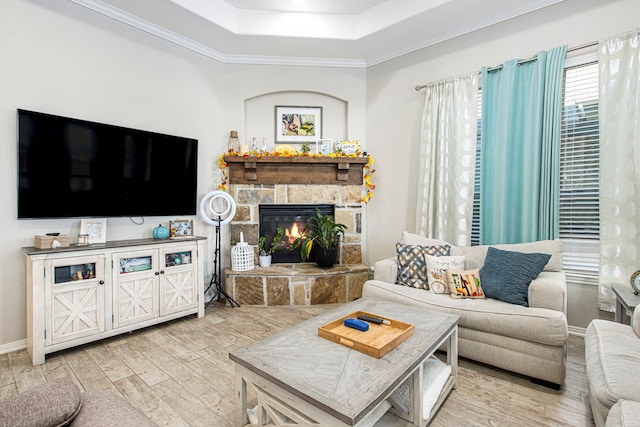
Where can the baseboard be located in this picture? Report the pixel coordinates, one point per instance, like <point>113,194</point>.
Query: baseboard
<point>576,330</point>
<point>13,346</point>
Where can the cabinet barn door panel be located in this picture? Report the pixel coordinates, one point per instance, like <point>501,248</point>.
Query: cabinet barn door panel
<point>75,298</point>
<point>178,292</point>
<point>178,283</point>
<point>76,313</point>
<point>135,287</point>
<point>134,300</point>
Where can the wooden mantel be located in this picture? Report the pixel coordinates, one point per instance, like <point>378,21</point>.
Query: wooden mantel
<point>296,170</point>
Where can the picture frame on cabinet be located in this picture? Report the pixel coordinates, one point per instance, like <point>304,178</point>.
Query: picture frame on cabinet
<point>95,229</point>
<point>180,228</point>
<point>297,124</point>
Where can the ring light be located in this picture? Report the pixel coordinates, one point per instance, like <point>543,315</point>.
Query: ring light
<point>218,208</point>
<point>209,206</point>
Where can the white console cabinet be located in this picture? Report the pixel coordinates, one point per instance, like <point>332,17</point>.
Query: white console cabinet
<point>80,294</point>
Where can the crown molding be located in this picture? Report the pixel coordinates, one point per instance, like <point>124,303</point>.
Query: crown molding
<point>295,61</point>
<point>188,43</point>
<point>462,30</point>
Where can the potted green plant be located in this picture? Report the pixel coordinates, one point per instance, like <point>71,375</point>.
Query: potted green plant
<point>321,236</point>
<point>264,257</point>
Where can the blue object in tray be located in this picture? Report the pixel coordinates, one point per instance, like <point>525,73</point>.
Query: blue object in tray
<point>356,324</point>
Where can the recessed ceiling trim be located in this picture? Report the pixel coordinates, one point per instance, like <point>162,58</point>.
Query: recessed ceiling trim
<point>295,61</point>
<point>188,43</point>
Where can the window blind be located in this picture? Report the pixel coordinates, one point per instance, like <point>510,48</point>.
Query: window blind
<point>475,222</point>
<point>579,174</point>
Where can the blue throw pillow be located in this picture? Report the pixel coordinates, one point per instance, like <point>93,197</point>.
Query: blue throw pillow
<point>506,275</point>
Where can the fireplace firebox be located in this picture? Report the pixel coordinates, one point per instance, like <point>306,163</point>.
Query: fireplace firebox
<point>293,219</point>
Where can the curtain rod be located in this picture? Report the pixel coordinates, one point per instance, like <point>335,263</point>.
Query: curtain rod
<point>522,61</point>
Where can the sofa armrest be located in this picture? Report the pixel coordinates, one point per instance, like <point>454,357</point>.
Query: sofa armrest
<point>53,403</point>
<point>386,270</point>
<point>549,290</point>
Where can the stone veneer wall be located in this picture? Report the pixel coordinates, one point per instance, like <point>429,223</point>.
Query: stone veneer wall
<point>346,198</point>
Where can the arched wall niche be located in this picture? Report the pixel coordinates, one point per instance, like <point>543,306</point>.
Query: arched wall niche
<point>259,114</point>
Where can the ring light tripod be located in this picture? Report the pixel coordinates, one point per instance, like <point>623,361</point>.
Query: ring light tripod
<point>218,208</point>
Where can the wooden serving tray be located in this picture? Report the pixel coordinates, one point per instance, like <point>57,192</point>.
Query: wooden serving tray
<point>377,341</point>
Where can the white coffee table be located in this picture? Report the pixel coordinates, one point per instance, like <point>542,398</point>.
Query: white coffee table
<point>301,378</point>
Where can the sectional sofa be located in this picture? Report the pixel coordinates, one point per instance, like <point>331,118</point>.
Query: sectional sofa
<point>612,358</point>
<point>528,339</point>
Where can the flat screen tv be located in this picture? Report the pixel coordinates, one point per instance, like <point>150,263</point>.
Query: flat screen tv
<point>70,168</point>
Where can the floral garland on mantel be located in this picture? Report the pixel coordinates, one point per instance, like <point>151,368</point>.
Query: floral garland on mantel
<point>367,175</point>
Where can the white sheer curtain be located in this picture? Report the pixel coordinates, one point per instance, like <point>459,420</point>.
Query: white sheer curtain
<point>447,160</point>
<point>619,162</point>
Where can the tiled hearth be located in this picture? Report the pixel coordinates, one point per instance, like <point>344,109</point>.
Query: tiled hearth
<point>297,284</point>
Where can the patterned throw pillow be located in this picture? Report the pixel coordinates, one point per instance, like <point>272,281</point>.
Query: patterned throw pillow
<point>465,283</point>
<point>412,266</point>
<point>437,267</point>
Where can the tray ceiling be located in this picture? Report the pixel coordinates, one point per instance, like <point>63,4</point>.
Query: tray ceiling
<point>350,33</point>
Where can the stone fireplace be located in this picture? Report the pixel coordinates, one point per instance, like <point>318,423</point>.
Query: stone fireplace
<point>295,182</point>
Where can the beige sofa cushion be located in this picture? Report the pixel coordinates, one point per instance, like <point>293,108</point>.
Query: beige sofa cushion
<point>624,413</point>
<point>612,356</point>
<point>475,255</point>
<point>539,325</point>
<point>415,239</point>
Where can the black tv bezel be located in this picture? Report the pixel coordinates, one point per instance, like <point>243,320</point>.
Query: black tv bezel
<point>191,211</point>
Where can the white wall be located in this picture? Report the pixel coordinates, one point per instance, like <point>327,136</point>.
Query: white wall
<point>73,62</point>
<point>244,85</point>
<point>259,115</point>
<point>394,107</point>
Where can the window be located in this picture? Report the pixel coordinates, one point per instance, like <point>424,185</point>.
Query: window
<point>475,223</point>
<point>579,174</point>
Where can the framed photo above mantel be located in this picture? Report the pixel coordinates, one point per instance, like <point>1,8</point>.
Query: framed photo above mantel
<point>298,124</point>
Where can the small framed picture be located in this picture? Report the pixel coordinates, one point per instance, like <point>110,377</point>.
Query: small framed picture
<point>347,147</point>
<point>180,228</point>
<point>95,229</point>
<point>298,124</point>
<point>324,146</point>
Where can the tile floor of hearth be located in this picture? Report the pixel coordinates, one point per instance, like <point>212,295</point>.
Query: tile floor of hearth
<point>179,374</point>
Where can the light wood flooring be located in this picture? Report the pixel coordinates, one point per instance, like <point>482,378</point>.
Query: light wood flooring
<point>179,374</point>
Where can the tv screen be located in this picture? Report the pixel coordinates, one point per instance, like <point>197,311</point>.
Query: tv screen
<point>71,168</point>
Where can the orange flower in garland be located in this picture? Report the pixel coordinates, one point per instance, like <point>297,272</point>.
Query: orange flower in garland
<point>368,170</point>
<point>368,173</point>
<point>223,170</point>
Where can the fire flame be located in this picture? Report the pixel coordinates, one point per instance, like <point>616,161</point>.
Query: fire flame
<point>293,233</point>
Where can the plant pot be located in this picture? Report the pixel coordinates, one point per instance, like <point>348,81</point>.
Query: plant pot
<point>325,257</point>
<point>264,260</point>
